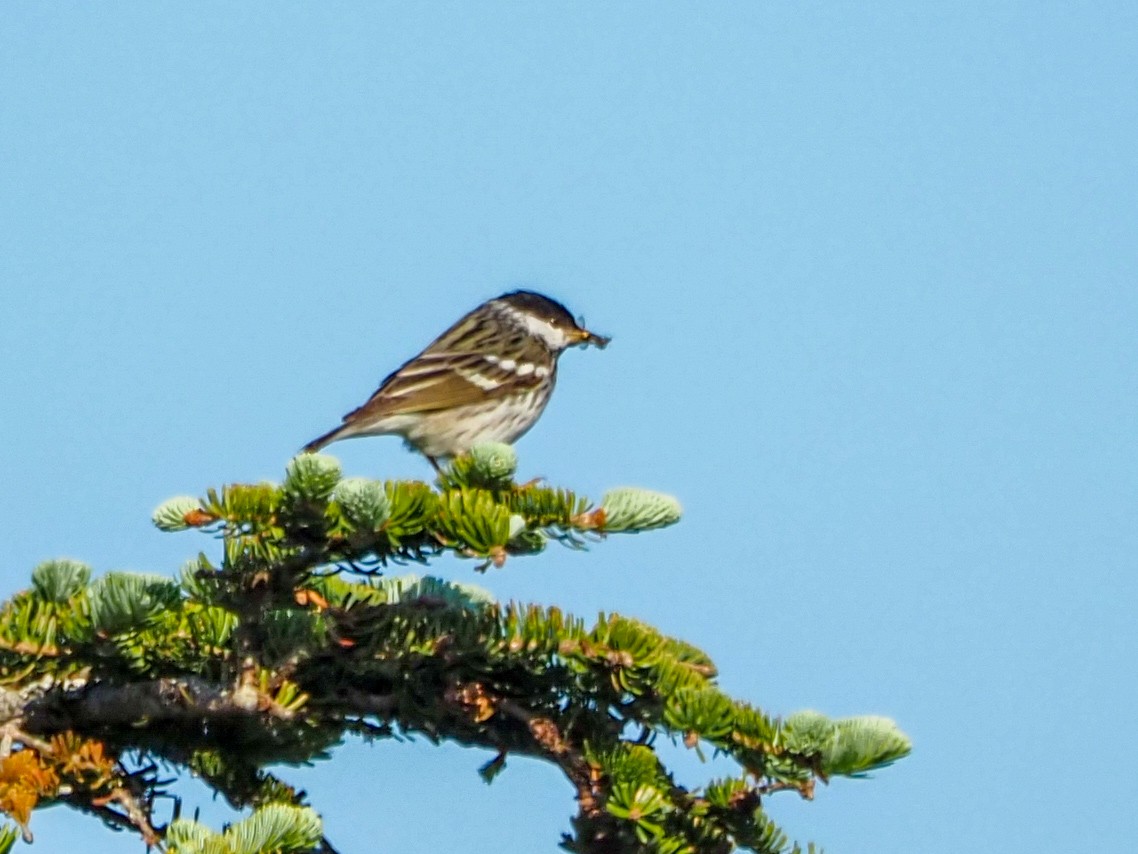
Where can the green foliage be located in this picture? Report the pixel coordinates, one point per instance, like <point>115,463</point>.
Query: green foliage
<point>58,580</point>
<point>413,507</point>
<point>185,836</point>
<point>33,625</point>
<point>490,465</point>
<point>198,579</point>
<point>171,514</point>
<point>631,509</point>
<point>271,829</point>
<point>393,590</point>
<point>848,746</point>
<point>493,463</point>
<point>288,633</point>
<point>294,639</point>
<point>543,507</point>
<point>364,502</point>
<point>645,807</point>
<point>9,834</point>
<point>120,601</point>
<point>470,519</point>
<point>318,517</point>
<point>311,477</point>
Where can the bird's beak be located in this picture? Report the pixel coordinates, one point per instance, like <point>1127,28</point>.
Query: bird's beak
<point>585,338</point>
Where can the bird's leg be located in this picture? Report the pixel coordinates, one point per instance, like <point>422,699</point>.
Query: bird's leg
<point>435,464</point>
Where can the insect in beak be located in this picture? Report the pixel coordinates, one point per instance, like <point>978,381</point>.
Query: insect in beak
<point>587,338</point>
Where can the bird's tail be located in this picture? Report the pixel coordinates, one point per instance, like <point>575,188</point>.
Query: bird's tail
<point>329,437</point>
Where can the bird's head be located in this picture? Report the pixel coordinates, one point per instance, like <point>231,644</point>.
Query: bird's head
<point>548,320</point>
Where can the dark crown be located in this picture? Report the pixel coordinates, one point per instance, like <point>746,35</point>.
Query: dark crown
<point>540,306</point>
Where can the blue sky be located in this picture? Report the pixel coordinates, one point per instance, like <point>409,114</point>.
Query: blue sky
<point>871,278</point>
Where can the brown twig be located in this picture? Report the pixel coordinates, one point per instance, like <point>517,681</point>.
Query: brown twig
<point>12,732</point>
<point>548,736</point>
<point>803,787</point>
<point>136,816</point>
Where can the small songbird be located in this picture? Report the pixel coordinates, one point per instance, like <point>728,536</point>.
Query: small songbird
<point>486,379</point>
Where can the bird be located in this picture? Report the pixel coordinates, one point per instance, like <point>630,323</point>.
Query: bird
<point>486,379</point>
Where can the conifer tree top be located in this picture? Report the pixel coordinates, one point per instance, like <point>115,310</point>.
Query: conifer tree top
<point>298,635</point>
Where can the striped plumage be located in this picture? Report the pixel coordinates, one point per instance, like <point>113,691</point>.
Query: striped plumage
<point>487,378</point>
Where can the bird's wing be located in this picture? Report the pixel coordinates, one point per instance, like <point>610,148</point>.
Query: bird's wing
<point>431,382</point>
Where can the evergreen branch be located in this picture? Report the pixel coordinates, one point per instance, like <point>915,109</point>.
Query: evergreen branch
<point>169,700</point>
<point>272,657</point>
